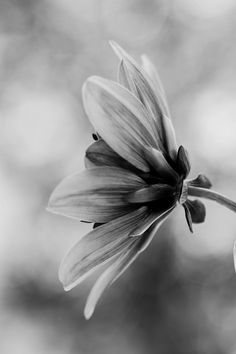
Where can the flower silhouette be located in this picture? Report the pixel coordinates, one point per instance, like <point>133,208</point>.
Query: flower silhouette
<point>135,176</point>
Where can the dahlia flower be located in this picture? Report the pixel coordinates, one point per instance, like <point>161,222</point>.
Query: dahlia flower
<point>135,175</point>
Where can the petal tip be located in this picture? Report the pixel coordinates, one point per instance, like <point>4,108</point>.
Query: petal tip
<point>88,312</point>
<point>117,49</point>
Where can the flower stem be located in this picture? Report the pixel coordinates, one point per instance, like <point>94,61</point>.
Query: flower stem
<point>212,195</point>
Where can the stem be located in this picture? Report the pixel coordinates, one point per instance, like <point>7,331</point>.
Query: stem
<point>209,194</point>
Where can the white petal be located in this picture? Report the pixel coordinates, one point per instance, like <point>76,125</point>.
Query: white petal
<point>108,277</point>
<point>120,119</point>
<point>95,195</point>
<point>171,142</point>
<point>117,268</point>
<point>97,247</point>
<point>153,101</point>
<point>156,83</point>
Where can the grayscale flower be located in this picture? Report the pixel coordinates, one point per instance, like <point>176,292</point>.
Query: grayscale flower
<point>135,176</point>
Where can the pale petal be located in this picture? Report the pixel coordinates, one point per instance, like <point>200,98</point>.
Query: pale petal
<point>139,85</point>
<point>120,119</point>
<point>108,277</point>
<point>156,83</point>
<point>97,247</point>
<point>160,165</point>
<point>124,79</point>
<point>170,138</point>
<point>148,221</point>
<point>148,235</point>
<point>113,272</point>
<point>143,89</point>
<point>95,195</point>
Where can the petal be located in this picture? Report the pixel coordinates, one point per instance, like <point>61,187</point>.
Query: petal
<point>113,272</point>
<point>95,195</point>
<point>201,181</point>
<point>170,138</point>
<point>154,192</point>
<point>120,119</point>
<point>97,247</point>
<point>108,277</point>
<point>100,154</point>
<point>183,164</point>
<point>197,210</point>
<point>143,89</point>
<point>188,217</point>
<point>156,83</point>
<point>148,221</point>
<point>124,79</point>
<point>157,160</point>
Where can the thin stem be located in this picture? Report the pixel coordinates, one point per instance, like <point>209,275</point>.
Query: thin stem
<point>209,194</point>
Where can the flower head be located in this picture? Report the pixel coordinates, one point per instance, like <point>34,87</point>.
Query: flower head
<point>135,176</point>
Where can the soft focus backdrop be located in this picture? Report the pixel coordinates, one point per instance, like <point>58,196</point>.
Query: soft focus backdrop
<point>180,295</point>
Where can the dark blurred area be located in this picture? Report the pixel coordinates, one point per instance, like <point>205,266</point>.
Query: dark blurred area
<point>180,295</point>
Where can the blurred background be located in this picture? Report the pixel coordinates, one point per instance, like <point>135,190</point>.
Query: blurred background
<point>180,295</point>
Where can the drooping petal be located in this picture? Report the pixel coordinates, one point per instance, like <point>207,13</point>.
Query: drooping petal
<point>197,210</point>
<point>139,83</point>
<point>149,220</point>
<point>107,277</point>
<point>120,119</point>
<point>95,195</point>
<point>183,164</point>
<point>188,217</point>
<point>154,192</point>
<point>117,268</point>
<point>157,160</point>
<point>97,247</point>
<point>201,181</point>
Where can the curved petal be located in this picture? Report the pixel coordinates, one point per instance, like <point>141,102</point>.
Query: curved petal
<point>95,195</point>
<point>97,247</point>
<point>108,277</point>
<point>149,220</point>
<point>120,119</point>
<point>143,89</point>
<point>116,269</point>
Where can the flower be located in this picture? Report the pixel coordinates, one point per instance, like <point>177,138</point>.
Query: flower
<point>135,176</point>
